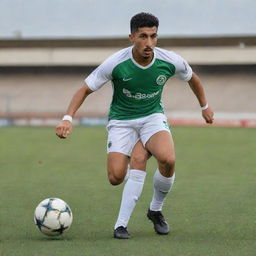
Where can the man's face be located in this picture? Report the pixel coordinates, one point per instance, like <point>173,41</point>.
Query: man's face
<point>144,41</point>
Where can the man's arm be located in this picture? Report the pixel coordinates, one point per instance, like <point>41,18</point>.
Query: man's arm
<point>64,128</point>
<point>197,88</point>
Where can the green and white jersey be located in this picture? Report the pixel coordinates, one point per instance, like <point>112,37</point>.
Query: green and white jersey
<point>137,89</point>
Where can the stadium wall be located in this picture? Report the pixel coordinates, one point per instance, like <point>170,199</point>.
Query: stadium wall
<point>38,77</point>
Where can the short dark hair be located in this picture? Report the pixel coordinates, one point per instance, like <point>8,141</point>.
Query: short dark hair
<point>143,19</point>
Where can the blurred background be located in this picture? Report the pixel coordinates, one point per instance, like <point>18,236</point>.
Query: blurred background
<point>48,47</point>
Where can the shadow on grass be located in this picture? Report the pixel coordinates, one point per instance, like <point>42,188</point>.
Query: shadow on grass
<point>44,238</point>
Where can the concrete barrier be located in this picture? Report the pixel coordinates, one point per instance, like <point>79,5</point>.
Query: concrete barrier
<point>225,55</point>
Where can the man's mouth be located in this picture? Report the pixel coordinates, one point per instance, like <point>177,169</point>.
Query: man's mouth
<point>148,50</point>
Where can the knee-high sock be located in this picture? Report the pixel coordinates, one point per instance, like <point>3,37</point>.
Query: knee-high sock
<point>130,196</point>
<point>162,186</point>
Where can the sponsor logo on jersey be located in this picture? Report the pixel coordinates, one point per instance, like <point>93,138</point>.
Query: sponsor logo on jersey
<point>161,80</point>
<point>140,96</point>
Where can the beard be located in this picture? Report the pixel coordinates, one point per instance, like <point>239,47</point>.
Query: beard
<point>146,57</point>
<point>148,53</point>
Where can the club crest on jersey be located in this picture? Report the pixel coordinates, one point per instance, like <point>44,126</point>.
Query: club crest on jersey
<point>161,80</point>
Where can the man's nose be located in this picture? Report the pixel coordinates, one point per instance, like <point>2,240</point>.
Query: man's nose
<point>149,42</point>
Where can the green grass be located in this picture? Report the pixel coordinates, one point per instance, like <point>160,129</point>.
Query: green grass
<point>211,208</point>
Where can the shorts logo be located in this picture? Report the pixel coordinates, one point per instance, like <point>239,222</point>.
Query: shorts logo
<point>161,80</point>
<point>109,144</point>
<point>166,125</point>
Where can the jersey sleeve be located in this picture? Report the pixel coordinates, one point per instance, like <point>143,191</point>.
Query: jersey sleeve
<point>183,70</point>
<point>101,75</point>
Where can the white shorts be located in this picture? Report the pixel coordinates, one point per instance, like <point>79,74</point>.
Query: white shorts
<point>124,134</point>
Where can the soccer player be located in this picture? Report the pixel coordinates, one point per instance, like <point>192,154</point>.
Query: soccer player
<point>137,126</point>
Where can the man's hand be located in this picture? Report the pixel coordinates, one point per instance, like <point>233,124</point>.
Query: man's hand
<point>208,115</point>
<point>64,129</point>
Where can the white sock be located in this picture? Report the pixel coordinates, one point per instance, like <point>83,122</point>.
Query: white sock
<point>131,194</point>
<point>162,186</point>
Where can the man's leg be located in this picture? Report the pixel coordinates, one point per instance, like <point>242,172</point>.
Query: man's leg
<point>117,167</point>
<point>132,189</point>
<point>117,170</point>
<point>161,146</point>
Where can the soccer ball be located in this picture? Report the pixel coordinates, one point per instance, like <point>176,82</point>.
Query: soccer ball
<point>53,216</point>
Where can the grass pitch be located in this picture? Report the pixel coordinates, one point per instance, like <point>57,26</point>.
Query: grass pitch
<point>211,208</point>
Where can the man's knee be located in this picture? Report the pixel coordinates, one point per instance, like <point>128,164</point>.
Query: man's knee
<point>117,167</point>
<point>139,160</point>
<point>167,161</point>
<point>115,176</point>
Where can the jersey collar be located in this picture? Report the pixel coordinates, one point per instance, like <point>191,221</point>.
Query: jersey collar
<point>137,64</point>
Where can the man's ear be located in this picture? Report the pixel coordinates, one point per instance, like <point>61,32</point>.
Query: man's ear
<point>131,37</point>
